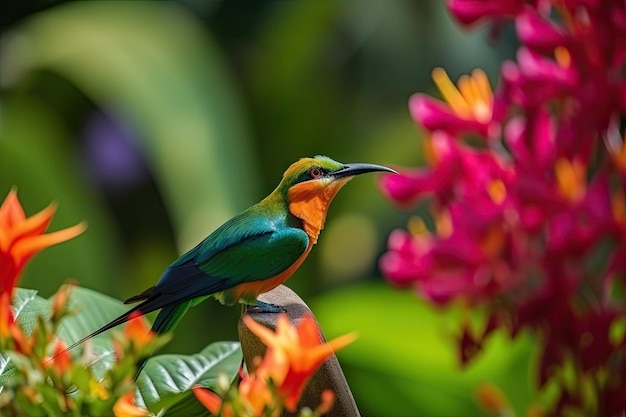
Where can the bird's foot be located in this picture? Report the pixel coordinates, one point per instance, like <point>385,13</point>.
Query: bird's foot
<point>268,308</point>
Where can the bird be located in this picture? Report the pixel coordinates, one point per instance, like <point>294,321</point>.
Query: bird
<point>251,253</point>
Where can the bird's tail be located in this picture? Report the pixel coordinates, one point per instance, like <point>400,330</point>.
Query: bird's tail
<point>168,317</point>
<point>114,323</point>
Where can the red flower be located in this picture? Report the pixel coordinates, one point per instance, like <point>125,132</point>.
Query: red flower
<point>22,237</point>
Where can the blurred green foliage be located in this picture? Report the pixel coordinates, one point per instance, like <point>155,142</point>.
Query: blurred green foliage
<point>157,121</point>
<point>406,358</point>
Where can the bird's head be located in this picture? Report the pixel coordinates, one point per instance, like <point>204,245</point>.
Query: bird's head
<point>310,184</point>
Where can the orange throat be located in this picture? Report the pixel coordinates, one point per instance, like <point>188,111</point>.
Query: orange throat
<point>309,202</point>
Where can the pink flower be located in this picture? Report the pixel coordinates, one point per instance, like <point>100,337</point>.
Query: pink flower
<point>530,220</point>
<point>535,79</point>
<point>531,140</point>
<point>538,33</point>
<point>438,179</point>
<point>580,226</point>
<point>406,261</point>
<point>469,106</point>
<point>471,11</point>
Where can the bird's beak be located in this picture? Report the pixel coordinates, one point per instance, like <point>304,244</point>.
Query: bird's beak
<point>351,170</point>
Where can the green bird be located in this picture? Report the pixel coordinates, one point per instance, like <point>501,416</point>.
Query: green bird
<point>251,253</point>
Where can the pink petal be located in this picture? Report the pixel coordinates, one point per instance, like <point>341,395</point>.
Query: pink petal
<point>471,11</point>
<point>538,33</point>
<point>435,115</point>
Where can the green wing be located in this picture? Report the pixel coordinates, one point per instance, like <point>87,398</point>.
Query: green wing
<point>246,248</point>
<point>258,257</point>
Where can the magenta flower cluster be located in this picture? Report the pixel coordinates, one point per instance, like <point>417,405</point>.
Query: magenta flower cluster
<point>525,187</point>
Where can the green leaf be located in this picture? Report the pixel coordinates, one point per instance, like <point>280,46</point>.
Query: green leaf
<point>166,381</point>
<point>91,311</point>
<point>27,306</point>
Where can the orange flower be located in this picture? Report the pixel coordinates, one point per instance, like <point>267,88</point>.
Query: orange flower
<point>492,399</point>
<point>294,353</point>
<point>22,237</point>
<point>135,337</point>
<point>137,331</point>
<point>59,303</point>
<point>125,407</point>
<point>210,400</point>
<point>256,394</point>
<point>61,359</point>
<point>254,398</point>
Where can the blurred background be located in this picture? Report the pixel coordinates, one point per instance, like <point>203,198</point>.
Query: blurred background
<point>155,122</point>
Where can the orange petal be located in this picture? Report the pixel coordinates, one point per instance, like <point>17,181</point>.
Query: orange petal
<point>570,178</point>
<point>60,299</point>
<point>265,334</point>
<point>327,402</point>
<point>451,94</point>
<point>308,331</point>
<point>210,400</point>
<point>256,395</point>
<point>137,330</point>
<point>314,356</point>
<point>286,332</point>
<point>11,210</point>
<point>275,364</point>
<point>27,247</point>
<point>481,86</point>
<point>62,360</point>
<point>342,341</point>
<point>33,225</point>
<point>4,239</point>
<point>125,407</point>
<point>23,344</point>
<point>492,399</point>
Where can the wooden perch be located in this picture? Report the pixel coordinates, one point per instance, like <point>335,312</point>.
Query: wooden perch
<point>328,376</point>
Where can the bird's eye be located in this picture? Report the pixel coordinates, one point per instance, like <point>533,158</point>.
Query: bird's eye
<point>315,172</point>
